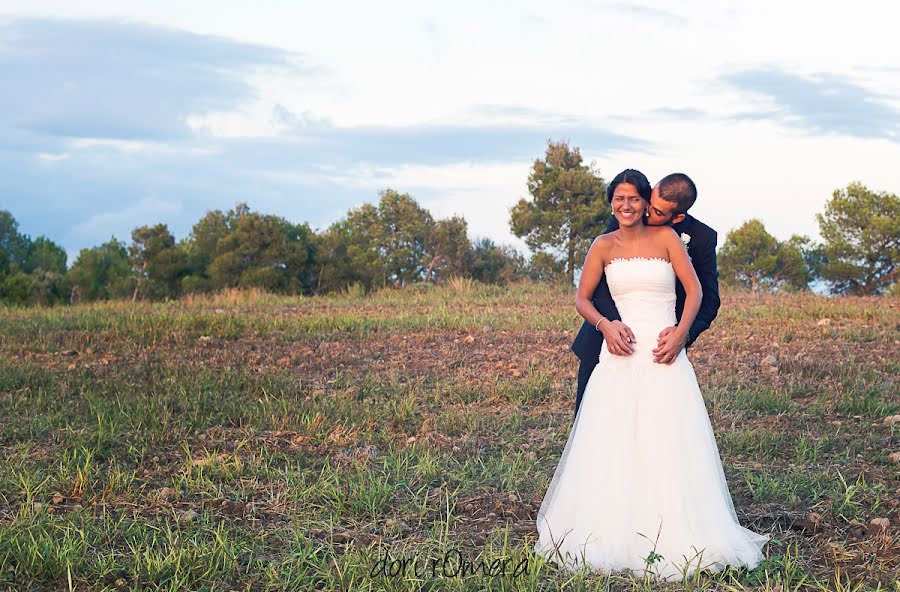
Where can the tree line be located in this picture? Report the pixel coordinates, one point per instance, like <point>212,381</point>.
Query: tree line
<point>397,242</point>
<point>394,243</point>
<point>859,253</point>
<point>860,228</point>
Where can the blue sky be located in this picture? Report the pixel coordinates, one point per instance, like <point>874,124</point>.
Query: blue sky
<point>118,114</point>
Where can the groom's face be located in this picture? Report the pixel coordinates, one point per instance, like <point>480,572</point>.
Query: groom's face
<point>662,212</point>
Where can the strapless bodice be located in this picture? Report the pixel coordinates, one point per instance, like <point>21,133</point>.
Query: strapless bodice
<point>644,292</point>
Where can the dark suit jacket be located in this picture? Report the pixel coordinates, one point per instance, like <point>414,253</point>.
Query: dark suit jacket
<point>702,250</point>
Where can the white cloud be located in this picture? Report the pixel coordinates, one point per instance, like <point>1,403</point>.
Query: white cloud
<point>417,96</point>
<point>52,157</point>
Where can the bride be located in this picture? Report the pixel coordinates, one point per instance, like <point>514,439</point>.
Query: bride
<point>639,486</point>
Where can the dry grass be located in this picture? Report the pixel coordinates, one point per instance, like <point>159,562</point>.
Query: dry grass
<point>253,441</point>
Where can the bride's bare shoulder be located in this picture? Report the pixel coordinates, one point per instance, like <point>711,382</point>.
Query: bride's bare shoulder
<point>605,240</point>
<point>662,229</point>
<point>662,233</point>
<point>601,247</point>
<point>603,243</point>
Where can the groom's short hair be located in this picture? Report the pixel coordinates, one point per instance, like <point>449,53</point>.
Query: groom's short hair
<point>678,189</point>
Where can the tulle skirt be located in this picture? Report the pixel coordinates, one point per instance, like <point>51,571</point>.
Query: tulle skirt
<point>639,486</point>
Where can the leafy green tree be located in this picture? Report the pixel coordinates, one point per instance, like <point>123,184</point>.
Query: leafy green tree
<point>247,249</point>
<point>568,208</point>
<point>101,273</point>
<point>43,253</point>
<point>31,271</point>
<point>403,236</point>
<point>273,252</point>
<point>15,286</point>
<point>796,263</point>
<point>544,267</point>
<point>13,245</point>
<point>757,260</point>
<point>861,232</point>
<point>45,263</point>
<point>813,255</point>
<point>47,287</point>
<point>201,247</point>
<point>496,264</point>
<point>157,262</point>
<point>450,250</point>
<point>394,243</point>
<point>349,252</point>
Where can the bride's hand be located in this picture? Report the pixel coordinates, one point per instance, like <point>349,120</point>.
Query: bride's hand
<point>618,337</point>
<point>669,344</point>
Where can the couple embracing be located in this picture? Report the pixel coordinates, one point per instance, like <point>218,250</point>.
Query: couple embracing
<point>639,486</point>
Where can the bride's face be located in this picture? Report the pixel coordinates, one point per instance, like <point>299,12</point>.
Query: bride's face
<point>627,205</point>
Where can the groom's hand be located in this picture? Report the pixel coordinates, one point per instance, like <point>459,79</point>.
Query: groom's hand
<point>618,337</point>
<point>669,344</point>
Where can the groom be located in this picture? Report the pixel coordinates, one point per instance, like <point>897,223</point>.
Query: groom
<point>672,197</point>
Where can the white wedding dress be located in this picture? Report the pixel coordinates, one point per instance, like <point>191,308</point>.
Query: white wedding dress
<point>640,471</point>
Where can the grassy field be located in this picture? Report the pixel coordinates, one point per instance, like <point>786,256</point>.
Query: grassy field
<point>254,442</point>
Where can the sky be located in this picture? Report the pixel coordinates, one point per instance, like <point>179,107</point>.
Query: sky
<point>119,114</point>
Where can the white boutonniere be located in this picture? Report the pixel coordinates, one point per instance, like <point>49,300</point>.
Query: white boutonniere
<point>685,238</point>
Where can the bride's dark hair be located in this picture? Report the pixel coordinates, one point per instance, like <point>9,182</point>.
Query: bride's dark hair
<point>633,176</point>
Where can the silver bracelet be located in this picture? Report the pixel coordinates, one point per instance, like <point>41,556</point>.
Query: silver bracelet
<point>597,324</point>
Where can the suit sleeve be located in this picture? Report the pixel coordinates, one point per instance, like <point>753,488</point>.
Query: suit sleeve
<point>708,274</point>
<point>603,300</point>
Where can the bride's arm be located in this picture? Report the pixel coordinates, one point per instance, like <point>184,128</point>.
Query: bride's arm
<point>618,336</point>
<point>687,275</point>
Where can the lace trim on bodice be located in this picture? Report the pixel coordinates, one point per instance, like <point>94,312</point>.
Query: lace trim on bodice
<point>615,259</point>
